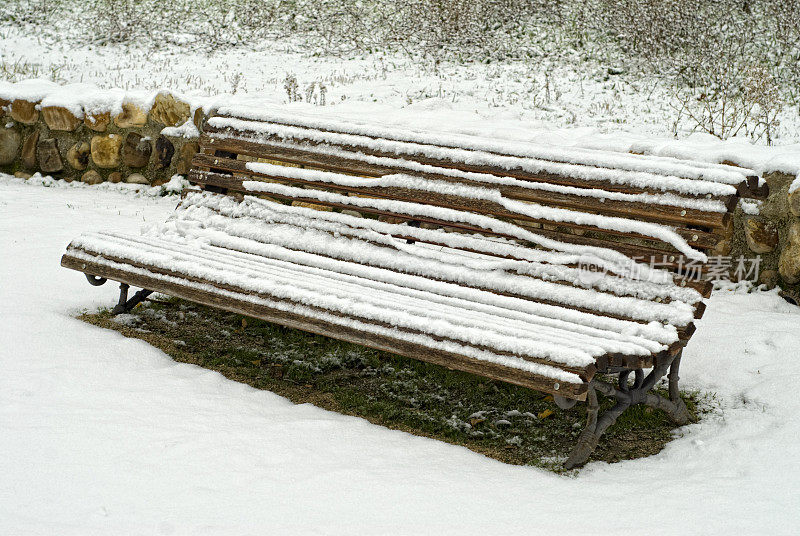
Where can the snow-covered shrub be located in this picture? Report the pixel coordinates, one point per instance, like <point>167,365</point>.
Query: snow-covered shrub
<point>30,11</point>
<point>454,29</point>
<point>726,98</point>
<point>292,88</point>
<point>123,20</point>
<point>730,64</point>
<point>782,35</point>
<point>647,28</point>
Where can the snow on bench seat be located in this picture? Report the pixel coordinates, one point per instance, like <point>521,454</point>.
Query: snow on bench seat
<point>348,273</point>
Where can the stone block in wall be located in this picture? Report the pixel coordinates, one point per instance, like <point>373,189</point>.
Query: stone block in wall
<point>4,103</point>
<point>198,119</point>
<point>794,203</point>
<point>132,116</point>
<point>48,156</point>
<point>722,248</point>
<point>91,177</point>
<point>97,122</point>
<point>24,112</point>
<point>761,235</point>
<point>789,262</point>
<point>106,150</point>
<point>10,142</point>
<point>185,155</point>
<point>28,157</point>
<point>169,111</point>
<point>78,155</point>
<point>769,278</point>
<point>58,118</point>
<point>164,152</point>
<point>137,178</point>
<point>115,177</point>
<point>136,150</point>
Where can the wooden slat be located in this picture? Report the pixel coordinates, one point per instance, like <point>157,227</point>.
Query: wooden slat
<point>652,212</point>
<point>704,238</point>
<point>672,261</point>
<point>753,190</point>
<point>749,188</point>
<point>260,139</point>
<point>702,286</point>
<point>583,372</point>
<point>378,342</point>
<point>411,239</point>
<point>698,239</point>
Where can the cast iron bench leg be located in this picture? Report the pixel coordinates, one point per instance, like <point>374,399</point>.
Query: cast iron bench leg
<point>627,396</point>
<point>125,305</point>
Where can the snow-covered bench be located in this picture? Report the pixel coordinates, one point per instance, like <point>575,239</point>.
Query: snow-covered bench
<point>510,261</point>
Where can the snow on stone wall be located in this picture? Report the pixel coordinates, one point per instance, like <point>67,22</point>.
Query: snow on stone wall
<point>80,132</point>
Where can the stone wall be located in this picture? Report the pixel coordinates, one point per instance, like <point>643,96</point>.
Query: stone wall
<point>773,234</point>
<point>128,146</point>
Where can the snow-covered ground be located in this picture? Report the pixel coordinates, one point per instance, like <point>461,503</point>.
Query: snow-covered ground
<point>104,435</point>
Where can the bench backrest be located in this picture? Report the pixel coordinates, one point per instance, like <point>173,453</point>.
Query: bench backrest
<point>670,212</point>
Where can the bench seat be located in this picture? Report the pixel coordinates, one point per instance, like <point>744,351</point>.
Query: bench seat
<point>271,262</point>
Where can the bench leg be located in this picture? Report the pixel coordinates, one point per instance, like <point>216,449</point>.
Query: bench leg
<point>589,437</point>
<point>675,407</point>
<point>627,396</point>
<point>125,305</point>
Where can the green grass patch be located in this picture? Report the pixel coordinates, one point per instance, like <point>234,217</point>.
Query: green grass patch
<point>509,423</point>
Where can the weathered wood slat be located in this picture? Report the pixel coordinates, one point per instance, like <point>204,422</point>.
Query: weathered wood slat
<point>653,212</point>
<point>695,237</point>
<point>228,137</point>
<point>584,372</point>
<point>666,259</point>
<point>441,243</point>
<point>750,188</point>
<point>233,183</point>
<point>702,286</point>
<point>754,191</point>
<point>699,307</point>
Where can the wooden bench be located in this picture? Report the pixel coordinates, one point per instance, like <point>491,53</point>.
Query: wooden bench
<point>510,261</point>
